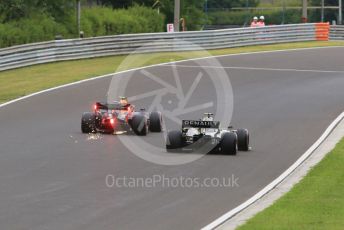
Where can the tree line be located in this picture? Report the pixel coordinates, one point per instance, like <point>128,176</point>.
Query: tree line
<point>24,21</point>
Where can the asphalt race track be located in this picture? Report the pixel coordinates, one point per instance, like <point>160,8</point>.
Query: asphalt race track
<point>53,177</point>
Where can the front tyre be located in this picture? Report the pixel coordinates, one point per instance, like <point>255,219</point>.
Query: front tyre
<point>228,143</point>
<point>155,122</point>
<point>243,139</point>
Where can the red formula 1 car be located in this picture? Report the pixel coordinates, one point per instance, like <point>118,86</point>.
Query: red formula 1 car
<point>120,116</point>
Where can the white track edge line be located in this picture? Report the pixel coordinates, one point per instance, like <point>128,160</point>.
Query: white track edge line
<point>278,180</point>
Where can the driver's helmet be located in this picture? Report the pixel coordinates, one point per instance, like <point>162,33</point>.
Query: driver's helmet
<point>123,101</point>
<point>208,117</point>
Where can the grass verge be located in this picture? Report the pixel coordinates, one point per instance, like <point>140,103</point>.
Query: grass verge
<point>316,202</point>
<point>23,81</point>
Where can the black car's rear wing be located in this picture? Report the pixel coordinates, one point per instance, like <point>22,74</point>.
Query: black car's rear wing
<point>200,124</point>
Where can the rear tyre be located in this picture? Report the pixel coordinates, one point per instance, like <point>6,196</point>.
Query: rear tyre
<point>139,125</point>
<point>228,144</point>
<point>155,122</point>
<point>174,140</point>
<point>243,139</point>
<point>88,123</point>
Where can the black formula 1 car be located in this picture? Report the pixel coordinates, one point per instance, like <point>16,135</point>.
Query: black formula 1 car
<point>119,117</point>
<point>205,134</point>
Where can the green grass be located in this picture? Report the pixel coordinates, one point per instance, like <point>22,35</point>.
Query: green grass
<point>316,202</point>
<point>24,81</point>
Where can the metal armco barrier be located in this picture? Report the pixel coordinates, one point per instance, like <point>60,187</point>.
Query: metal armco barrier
<point>337,32</point>
<point>71,49</point>
<point>322,31</point>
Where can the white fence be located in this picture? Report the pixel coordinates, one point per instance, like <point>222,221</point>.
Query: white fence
<point>337,32</point>
<point>44,52</point>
